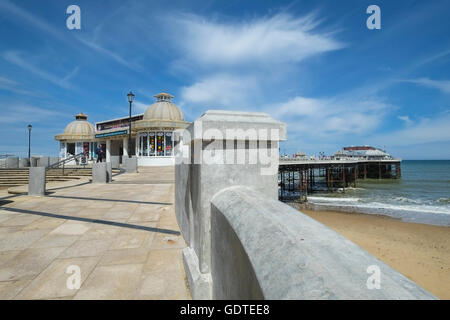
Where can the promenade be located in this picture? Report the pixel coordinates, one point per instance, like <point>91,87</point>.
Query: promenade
<point>123,236</point>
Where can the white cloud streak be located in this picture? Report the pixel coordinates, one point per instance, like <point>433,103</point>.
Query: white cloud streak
<point>334,116</point>
<point>277,39</point>
<point>441,85</point>
<point>15,58</point>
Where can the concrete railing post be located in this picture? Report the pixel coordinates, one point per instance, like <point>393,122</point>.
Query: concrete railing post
<point>108,172</point>
<point>36,181</point>
<point>99,173</point>
<point>219,150</point>
<point>130,164</point>
<point>115,162</point>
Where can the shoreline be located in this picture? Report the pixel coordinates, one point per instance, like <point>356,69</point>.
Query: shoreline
<point>419,251</point>
<point>404,214</point>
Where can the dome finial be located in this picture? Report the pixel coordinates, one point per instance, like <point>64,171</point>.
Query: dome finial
<point>81,116</point>
<point>163,96</point>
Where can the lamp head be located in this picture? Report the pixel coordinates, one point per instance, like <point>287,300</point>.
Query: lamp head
<point>130,97</point>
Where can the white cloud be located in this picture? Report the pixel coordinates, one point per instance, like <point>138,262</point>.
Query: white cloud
<point>427,130</point>
<point>442,85</point>
<point>406,119</point>
<point>315,118</point>
<point>280,38</point>
<point>221,90</point>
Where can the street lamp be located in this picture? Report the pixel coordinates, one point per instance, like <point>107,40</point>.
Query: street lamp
<point>130,100</point>
<point>29,143</point>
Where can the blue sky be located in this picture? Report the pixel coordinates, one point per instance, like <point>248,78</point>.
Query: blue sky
<point>312,64</point>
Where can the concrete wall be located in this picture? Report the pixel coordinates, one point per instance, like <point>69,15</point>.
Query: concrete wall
<point>280,253</point>
<point>43,162</point>
<point>245,244</point>
<point>53,160</point>
<point>12,162</point>
<point>197,181</point>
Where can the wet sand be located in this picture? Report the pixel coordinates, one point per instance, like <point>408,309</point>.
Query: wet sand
<point>420,252</point>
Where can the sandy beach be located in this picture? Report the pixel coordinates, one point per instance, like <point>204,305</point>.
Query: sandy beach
<point>420,252</point>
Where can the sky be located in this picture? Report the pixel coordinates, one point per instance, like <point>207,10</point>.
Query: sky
<point>311,64</point>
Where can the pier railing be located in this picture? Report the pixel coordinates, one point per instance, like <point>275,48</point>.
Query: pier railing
<point>245,244</point>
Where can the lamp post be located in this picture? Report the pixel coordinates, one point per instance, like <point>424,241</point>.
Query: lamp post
<point>130,100</point>
<point>29,143</point>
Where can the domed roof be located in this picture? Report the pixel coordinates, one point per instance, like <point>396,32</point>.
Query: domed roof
<point>163,109</point>
<point>78,130</point>
<point>80,126</point>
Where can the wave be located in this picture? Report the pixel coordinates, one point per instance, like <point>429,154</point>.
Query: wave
<point>428,214</point>
<point>332,199</point>
<point>444,200</point>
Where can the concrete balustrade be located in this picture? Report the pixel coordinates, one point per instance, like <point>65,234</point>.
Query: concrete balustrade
<point>280,253</point>
<point>245,244</point>
<point>12,162</point>
<point>34,162</point>
<point>24,163</point>
<point>36,181</point>
<point>43,162</point>
<point>53,160</point>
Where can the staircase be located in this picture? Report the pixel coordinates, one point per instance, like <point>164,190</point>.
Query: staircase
<point>17,177</point>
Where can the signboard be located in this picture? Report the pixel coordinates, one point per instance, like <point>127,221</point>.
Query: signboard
<point>111,134</point>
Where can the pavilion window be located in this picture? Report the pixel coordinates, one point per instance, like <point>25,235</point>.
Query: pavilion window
<point>144,145</point>
<point>168,144</point>
<point>62,150</point>
<point>160,144</point>
<point>151,138</point>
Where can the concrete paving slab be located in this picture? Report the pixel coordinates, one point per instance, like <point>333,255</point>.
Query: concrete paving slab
<point>111,282</point>
<point>52,283</point>
<point>29,263</point>
<point>88,248</point>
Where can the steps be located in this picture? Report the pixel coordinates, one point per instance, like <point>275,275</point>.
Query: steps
<point>17,177</point>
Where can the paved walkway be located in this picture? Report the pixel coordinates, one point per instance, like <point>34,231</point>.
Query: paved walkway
<point>123,236</point>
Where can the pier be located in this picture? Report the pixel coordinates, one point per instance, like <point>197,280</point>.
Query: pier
<point>300,177</point>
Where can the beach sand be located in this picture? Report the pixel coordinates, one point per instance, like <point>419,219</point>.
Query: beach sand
<point>420,252</point>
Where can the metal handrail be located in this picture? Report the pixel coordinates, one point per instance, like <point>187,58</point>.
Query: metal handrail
<point>64,161</point>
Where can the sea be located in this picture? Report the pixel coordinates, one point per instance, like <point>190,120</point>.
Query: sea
<point>422,195</point>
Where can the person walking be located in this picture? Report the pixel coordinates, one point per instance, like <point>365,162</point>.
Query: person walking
<point>99,152</point>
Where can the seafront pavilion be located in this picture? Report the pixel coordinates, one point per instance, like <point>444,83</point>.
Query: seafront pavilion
<point>151,135</point>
